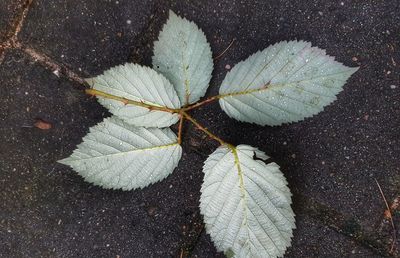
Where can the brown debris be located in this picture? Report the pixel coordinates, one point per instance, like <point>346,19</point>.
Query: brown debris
<point>41,124</point>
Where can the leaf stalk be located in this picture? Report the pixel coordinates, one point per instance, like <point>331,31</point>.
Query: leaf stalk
<point>202,128</point>
<point>180,128</point>
<point>126,101</point>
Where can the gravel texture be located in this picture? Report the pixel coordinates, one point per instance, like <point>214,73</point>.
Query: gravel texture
<point>331,160</point>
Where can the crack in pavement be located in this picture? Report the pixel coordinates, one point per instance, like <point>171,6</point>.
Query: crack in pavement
<point>12,35</point>
<point>12,42</point>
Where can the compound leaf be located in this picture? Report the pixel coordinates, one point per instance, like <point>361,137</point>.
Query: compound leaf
<point>246,203</point>
<point>121,156</point>
<point>141,84</point>
<point>183,55</point>
<point>284,83</point>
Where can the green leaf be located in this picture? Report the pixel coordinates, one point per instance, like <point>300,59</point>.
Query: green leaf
<point>121,156</point>
<point>284,83</point>
<point>246,203</point>
<point>142,84</point>
<point>183,55</point>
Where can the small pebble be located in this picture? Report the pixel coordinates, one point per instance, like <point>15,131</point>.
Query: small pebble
<point>393,87</point>
<point>151,211</point>
<point>227,67</point>
<point>128,22</point>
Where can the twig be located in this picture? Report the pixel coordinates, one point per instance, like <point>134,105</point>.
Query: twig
<point>226,49</point>
<point>390,216</point>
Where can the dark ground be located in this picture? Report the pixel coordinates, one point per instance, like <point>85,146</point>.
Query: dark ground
<point>330,160</point>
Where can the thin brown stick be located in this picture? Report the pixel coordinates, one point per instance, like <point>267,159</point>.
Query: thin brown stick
<point>180,128</point>
<point>202,128</point>
<point>226,49</point>
<point>390,216</point>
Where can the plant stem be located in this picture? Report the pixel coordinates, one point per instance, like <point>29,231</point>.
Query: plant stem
<point>94,92</point>
<point>202,128</point>
<point>185,108</point>
<point>181,111</point>
<point>198,104</point>
<point>216,97</point>
<point>181,120</point>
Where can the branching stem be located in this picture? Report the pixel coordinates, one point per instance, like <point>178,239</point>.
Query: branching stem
<point>181,111</point>
<point>152,106</point>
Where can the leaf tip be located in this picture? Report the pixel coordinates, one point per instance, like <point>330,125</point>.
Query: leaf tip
<point>172,14</point>
<point>65,161</point>
<point>354,69</point>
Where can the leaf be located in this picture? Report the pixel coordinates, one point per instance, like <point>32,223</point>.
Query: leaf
<point>183,55</point>
<point>284,83</point>
<point>246,203</point>
<point>141,84</point>
<point>121,156</point>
